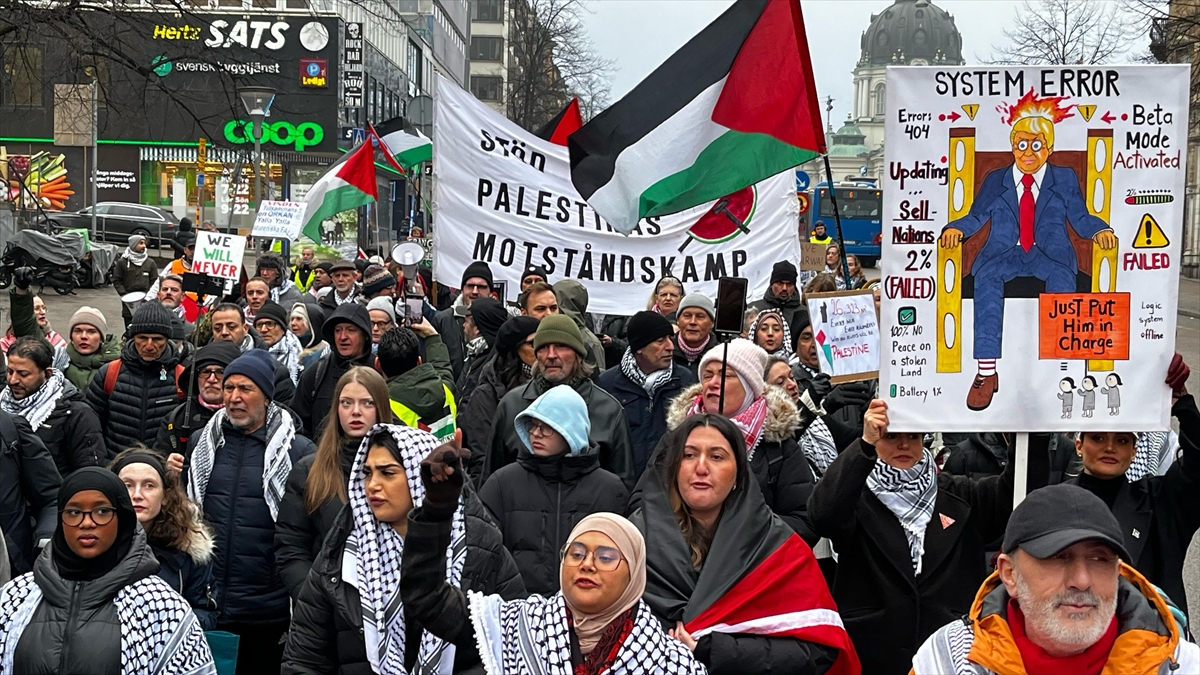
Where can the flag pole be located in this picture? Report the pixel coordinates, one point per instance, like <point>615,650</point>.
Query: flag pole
<point>837,219</point>
<point>1021,472</point>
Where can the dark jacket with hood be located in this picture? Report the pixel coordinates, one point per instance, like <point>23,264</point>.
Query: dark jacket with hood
<point>476,417</point>
<point>83,368</point>
<point>327,626</point>
<point>72,433</point>
<point>314,394</point>
<point>789,308</point>
<point>647,416</point>
<point>573,301</point>
<point>298,533</point>
<point>29,482</point>
<point>143,395</point>
<point>187,569</point>
<point>423,388</point>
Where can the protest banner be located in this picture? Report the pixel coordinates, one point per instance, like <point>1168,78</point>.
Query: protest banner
<point>812,257</point>
<point>279,220</point>
<point>1032,227</point>
<point>846,331</point>
<point>219,255</point>
<point>504,196</point>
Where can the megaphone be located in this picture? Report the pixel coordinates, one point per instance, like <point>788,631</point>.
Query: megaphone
<point>408,255</point>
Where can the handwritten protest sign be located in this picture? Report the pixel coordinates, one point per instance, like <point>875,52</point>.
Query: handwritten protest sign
<point>219,255</point>
<point>1032,227</point>
<point>847,334</point>
<point>279,220</point>
<point>812,257</point>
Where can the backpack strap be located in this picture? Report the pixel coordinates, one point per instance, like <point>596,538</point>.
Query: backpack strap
<point>110,377</point>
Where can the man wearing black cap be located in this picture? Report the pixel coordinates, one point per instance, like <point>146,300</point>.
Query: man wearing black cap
<point>534,274</point>
<point>1061,601</point>
<point>782,294</point>
<point>344,275</point>
<point>645,381</point>
<point>203,378</point>
<point>477,282</point>
<point>348,332</point>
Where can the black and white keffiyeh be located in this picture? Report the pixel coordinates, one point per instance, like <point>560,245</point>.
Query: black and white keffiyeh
<point>287,351</point>
<point>909,494</point>
<point>36,407</point>
<point>339,300</point>
<point>818,446</point>
<point>160,634</point>
<point>279,290</point>
<point>531,637</point>
<point>135,259</point>
<point>1152,446</point>
<point>650,383</point>
<point>277,464</point>
<point>785,348</point>
<point>477,346</point>
<point>373,554</point>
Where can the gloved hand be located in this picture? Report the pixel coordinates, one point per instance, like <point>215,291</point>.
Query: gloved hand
<point>856,394</point>
<point>442,475</point>
<point>1177,376</point>
<point>23,277</point>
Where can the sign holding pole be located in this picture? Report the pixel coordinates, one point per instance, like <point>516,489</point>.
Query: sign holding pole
<point>218,254</point>
<point>201,167</point>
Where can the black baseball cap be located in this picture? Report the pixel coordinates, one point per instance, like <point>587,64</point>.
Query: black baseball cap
<point>1055,517</point>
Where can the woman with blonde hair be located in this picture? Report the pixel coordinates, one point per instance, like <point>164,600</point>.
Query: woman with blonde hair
<point>316,487</point>
<point>668,292</point>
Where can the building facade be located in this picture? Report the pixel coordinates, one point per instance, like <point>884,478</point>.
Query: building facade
<point>490,52</point>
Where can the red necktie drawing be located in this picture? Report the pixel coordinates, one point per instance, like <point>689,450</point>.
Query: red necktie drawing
<point>1027,212</point>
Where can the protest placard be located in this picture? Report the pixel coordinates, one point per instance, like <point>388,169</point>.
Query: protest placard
<point>812,257</point>
<point>279,220</point>
<point>846,333</point>
<point>219,255</point>
<point>1032,227</point>
<point>505,197</point>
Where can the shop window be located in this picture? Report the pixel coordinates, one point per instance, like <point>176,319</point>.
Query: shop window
<point>487,48</point>
<point>487,10</point>
<point>486,88</point>
<point>22,75</point>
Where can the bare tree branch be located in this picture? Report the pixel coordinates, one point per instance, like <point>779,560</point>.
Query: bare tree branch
<point>1069,32</point>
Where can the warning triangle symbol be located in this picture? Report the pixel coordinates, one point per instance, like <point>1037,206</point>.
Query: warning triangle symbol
<point>971,109</point>
<point>1150,234</point>
<point>1087,111</point>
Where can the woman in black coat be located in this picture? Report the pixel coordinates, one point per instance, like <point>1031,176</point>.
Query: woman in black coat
<point>911,542</point>
<point>360,564</point>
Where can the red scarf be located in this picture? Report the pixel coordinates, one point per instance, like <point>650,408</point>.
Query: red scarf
<point>1037,662</point>
<point>605,652</point>
<point>750,421</point>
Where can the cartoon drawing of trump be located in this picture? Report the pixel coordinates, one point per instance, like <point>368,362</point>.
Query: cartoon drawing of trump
<point>1029,204</point>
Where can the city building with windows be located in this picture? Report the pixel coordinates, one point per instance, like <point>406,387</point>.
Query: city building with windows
<point>490,52</point>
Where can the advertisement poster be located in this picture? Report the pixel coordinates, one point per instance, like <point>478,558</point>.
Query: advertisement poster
<point>504,196</point>
<point>846,331</point>
<point>1033,218</point>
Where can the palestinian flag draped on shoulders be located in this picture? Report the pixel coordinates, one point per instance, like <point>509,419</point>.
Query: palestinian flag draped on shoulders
<point>736,104</point>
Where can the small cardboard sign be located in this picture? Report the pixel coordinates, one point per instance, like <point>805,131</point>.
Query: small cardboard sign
<point>812,257</point>
<point>279,220</point>
<point>846,331</point>
<point>219,255</point>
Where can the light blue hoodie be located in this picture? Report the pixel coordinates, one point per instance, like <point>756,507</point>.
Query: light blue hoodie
<point>563,410</point>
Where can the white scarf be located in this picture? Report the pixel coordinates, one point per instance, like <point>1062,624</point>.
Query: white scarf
<point>337,298</point>
<point>135,259</point>
<point>909,494</point>
<point>279,290</point>
<point>36,407</point>
<point>373,555</point>
<point>277,463</point>
<point>287,351</point>
<point>649,383</point>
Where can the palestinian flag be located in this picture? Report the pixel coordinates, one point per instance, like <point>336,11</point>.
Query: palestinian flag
<point>562,125</point>
<point>402,144</point>
<point>348,184</point>
<point>736,104</point>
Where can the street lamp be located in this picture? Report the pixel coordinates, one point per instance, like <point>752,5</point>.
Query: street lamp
<point>257,101</point>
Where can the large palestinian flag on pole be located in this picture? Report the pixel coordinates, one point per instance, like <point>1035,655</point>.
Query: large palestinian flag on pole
<point>736,104</point>
<point>348,184</point>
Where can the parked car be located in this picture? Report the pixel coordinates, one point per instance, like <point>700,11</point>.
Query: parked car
<point>115,221</point>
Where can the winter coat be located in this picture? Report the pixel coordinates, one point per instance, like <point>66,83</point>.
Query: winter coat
<point>72,433</point>
<point>298,533</point>
<point>246,583</point>
<point>985,454</point>
<point>475,418</point>
<point>789,308</point>
<point>1159,514</point>
<point>178,426</point>
<point>886,609</point>
<point>83,368</point>
<point>614,326</point>
<point>143,395</point>
<point>29,482</point>
<point>314,393</point>
<point>537,501</point>
<point>130,278</point>
<point>450,326</point>
<point>327,634</point>
<point>647,416</point>
<point>188,571</point>
<point>573,301</point>
<point>693,365</point>
<point>610,430</point>
<point>423,389</point>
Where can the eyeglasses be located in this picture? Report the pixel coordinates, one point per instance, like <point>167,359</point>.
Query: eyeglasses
<point>605,558</point>
<point>387,323</point>
<point>540,428</point>
<point>266,324</point>
<point>212,373</point>
<point>102,515</point>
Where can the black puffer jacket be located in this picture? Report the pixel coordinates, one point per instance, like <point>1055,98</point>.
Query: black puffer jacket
<point>327,634</point>
<point>188,570</point>
<point>72,433</point>
<point>647,416</point>
<point>246,583</point>
<point>476,418</point>
<point>143,395</point>
<point>298,533</point>
<point>538,501</point>
<point>29,483</point>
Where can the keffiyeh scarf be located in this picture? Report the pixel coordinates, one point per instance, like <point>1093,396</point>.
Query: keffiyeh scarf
<point>135,259</point>
<point>160,634</point>
<point>532,637</point>
<point>287,351</point>
<point>785,348</point>
<point>650,383</point>
<point>36,407</point>
<point>279,290</point>
<point>1151,447</point>
<point>339,301</point>
<point>373,554</point>
<point>909,494</point>
<point>277,464</point>
<point>818,446</point>
<point>750,421</point>
<point>477,346</point>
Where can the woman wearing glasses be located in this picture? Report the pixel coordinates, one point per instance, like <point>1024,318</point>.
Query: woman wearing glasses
<point>349,617</point>
<point>91,587</point>
<point>555,482</point>
<point>668,292</point>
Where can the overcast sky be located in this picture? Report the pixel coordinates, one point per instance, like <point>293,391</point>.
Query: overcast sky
<point>640,34</point>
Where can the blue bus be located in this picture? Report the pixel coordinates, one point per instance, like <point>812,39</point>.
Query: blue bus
<point>861,207</point>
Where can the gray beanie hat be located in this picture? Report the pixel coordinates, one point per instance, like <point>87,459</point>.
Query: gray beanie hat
<point>698,299</point>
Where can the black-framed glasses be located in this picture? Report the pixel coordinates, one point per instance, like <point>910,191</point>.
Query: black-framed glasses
<point>605,558</point>
<point>101,515</point>
<point>266,324</point>
<point>209,373</point>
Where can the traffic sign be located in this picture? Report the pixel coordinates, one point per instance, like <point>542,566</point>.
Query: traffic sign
<point>802,181</point>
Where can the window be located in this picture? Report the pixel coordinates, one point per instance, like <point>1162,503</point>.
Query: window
<point>126,212</point>
<point>880,99</point>
<point>486,88</point>
<point>487,49</point>
<point>487,10</point>
<point>22,75</point>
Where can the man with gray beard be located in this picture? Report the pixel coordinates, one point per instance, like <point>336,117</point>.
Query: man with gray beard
<point>1061,601</point>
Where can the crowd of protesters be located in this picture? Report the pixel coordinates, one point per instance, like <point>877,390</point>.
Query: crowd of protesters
<point>305,476</point>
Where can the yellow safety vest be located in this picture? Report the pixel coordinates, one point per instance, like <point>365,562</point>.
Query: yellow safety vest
<point>813,239</point>
<point>442,428</point>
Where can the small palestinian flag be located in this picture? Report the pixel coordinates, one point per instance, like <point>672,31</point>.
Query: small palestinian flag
<point>735,105</point>
<point>346,185</point>
<point>402,144</point>
<point>562,125</point>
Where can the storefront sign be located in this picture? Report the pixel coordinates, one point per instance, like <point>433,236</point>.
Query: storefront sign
<point>219,255</point>
<point>299,136</point>
<point>314,73</point>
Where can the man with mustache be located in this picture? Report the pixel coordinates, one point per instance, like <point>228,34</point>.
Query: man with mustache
<point>1061,601</point>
